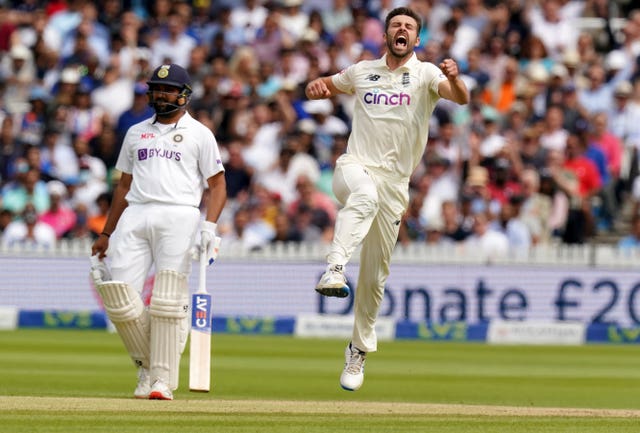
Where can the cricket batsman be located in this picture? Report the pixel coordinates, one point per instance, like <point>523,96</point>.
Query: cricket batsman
<point>167,163</point>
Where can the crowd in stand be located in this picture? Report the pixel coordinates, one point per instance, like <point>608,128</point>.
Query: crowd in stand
<point>547,150</point>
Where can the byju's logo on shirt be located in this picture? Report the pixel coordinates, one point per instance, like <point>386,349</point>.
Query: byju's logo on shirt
<point>380,98</point>
<point>144,154</point>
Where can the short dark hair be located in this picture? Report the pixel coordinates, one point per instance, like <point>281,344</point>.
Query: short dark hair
<point>402,11</point>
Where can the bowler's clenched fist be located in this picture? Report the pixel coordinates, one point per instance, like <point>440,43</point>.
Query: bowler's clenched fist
<point>449,68</point>
<point>317,89</point>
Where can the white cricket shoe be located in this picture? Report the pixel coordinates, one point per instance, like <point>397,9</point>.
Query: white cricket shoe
<point>333,282</point>
<point>144,384</point>
<point>353,373</point>
<point>160,391</point>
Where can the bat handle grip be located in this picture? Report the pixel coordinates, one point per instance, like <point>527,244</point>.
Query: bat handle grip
<point>202,280</point>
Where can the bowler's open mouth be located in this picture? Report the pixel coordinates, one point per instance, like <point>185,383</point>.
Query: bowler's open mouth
<point>401,41</point>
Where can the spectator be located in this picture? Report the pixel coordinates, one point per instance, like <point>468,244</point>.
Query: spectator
<point>173,45</point>
<point>60,216</point>
<point>18,73</point>
<point>26,190</point>
<point>285,230</point>
<point>510,222</point>
<point>554,136</point>
<point>453,227</point>
<point>92,175</point>
<point>237,173</point>
<point>97,220</point>
<point>412,225</point>
<point>536,207</point>
<point>32,123</point>
<point>138,111</point>
<point>28,232</point>
<point>324,209</point>
<point>486,242</point>
<point>113,96</point>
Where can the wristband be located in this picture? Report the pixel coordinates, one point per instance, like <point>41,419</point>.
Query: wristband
<point>106,234</point>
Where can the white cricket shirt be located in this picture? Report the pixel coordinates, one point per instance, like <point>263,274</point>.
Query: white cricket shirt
<point>169,164</point>
<point>392,110</point>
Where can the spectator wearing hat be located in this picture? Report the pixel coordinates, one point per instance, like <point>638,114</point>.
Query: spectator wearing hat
<point>476,194</point>
<point>293,18</point>
<point>60,216</point>
<point>624,123</point>
<point>32,123</point>
<point>17,70</point>
<point>624,116</point>
<point>327,125</point>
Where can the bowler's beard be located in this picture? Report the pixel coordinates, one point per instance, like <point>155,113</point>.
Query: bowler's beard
<point>398,52</point>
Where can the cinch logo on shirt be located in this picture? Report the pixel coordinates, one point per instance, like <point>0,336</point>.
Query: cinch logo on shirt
<point>144,154</point>
<point>377,98</point>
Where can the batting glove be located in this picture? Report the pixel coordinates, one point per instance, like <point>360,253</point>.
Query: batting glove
<point>209,242</point>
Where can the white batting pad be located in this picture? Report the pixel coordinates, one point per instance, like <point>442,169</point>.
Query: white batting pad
<point>126,311</point>
<point>169,309</point>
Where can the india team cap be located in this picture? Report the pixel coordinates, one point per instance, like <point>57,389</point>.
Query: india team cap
<point>171,75</point>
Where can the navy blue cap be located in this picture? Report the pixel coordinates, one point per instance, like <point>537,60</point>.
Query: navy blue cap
<point>171,75</point>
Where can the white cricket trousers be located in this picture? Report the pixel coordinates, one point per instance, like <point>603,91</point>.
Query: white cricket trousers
<point>152,234</point>
<point>374,202</point>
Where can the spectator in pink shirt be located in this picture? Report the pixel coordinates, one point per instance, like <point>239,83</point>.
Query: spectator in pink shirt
<point>59,216</point>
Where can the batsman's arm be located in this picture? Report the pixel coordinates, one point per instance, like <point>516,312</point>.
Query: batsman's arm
<point>217,196</point>
<point>118,205</point>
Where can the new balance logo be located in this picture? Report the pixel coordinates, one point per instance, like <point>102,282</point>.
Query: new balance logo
<point>396,223</point>
<point>373,77</point>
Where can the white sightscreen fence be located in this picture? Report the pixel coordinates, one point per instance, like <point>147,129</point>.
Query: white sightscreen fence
<point>430,291</point>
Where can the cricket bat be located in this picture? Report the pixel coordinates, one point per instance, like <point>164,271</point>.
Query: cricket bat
<point>200,338</point>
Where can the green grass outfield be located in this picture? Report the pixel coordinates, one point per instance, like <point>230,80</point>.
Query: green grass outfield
<point>82,381</point>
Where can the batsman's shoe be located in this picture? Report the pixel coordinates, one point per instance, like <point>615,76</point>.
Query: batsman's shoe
<point>160,391</point>
<point>333,282</point>
<point>144,384</point>
<point>353,373</point>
